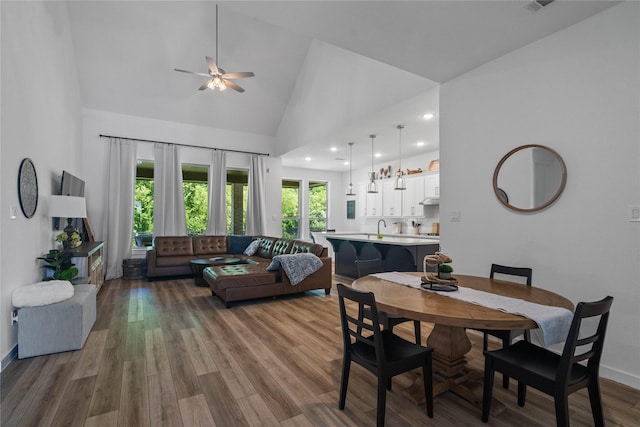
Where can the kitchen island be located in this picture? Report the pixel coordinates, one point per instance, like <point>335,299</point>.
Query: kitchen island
<point>396,252</point>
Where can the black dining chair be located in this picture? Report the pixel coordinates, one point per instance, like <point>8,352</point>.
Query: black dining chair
<point>381,352</point>
<point>388,320</point>
<point>506,336</point>
<point>551,373</point>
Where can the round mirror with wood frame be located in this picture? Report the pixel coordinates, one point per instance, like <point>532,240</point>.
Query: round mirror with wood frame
<point>529,178</point>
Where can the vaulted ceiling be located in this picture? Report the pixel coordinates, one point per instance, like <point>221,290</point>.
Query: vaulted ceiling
<point>126,53</point>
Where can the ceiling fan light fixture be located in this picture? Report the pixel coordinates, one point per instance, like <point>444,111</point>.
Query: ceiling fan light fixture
<point>217,77</point>
<point>217,83</point>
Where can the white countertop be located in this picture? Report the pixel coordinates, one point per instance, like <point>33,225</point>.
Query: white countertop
<point>389,239</point>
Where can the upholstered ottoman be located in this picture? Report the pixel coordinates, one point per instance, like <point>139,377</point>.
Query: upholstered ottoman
<point>236,282</point>
<point>57,327</point>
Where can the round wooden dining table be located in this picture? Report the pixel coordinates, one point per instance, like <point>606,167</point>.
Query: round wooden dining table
<point>450,317</point>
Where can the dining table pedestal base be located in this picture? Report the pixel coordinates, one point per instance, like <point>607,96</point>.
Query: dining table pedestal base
<point>450,344</point>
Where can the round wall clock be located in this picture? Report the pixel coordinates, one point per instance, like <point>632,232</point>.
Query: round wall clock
<point>28,187</point>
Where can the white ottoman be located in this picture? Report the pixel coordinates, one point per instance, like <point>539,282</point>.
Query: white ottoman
<point>58,327</point>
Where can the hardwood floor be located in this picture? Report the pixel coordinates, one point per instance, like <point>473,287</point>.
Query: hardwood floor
<point>167,353</point>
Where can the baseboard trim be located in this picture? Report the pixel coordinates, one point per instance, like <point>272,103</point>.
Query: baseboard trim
<point>9,358</point>
<point>618,376</point>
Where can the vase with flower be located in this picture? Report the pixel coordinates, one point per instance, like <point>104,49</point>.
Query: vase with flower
<point>69,241</point>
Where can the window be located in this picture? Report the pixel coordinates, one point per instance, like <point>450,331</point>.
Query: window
<point>236,196</point>
<point>290,209</point>
<point>196,201</point>
<point>143,205</point>
<point>194,186</point>
<point>317,206</point>
<point>196,197</point>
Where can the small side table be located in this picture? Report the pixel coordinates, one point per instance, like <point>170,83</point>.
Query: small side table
<point>89,260</point>
<point>198,266</point>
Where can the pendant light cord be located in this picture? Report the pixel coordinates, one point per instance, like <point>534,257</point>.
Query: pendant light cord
<point>217,34</point>
<point>350,162</point>
<point>372,172</point>
<point>400,127</point>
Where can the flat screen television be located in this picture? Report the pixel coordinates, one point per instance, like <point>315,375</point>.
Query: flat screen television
<point>71,185</point>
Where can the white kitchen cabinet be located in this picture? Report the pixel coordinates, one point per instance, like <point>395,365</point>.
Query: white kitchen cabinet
<point>412,197</point>
<point>361,200</point>
<point>432,185</point>
<point>391,199</point>
<point>374,203</point>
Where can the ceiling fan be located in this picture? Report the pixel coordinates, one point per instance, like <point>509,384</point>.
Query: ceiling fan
<point>217,77</point>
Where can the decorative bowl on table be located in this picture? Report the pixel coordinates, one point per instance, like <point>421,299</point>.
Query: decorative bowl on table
<point>431,282</point>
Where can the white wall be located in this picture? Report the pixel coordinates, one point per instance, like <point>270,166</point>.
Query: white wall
<point>576,91</point>
<point>336,203</point>
<point>41,119</point>
<point>336,88</point>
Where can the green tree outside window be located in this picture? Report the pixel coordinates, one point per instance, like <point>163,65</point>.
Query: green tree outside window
<point>317,206</point>
<point>291,209</point>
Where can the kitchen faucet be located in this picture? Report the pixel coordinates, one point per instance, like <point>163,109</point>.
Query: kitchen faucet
<point>385,226</point>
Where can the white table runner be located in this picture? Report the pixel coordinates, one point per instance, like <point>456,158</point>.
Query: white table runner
<point>553,322</point>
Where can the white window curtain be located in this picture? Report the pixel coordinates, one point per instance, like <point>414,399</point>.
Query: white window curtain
<point>217,220</point>
<point>120,183</point>
<point>169,218</point>
<point>256,211</point>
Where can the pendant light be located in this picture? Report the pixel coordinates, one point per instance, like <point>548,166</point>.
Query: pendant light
<point>350,191</point>
<point>400,181</point>
<point>372,187</point>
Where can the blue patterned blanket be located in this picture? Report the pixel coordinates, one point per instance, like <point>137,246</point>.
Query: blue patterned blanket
<point>296,266</point>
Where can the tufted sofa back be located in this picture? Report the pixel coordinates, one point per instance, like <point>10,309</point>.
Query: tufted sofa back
<point>281,246</point>
<point>299,246</point>
<point>266,246</point>
<point>272,246</point>
<point>173,245</point>
<point>210,245</point>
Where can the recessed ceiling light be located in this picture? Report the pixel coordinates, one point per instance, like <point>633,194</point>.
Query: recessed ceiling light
<point>378,155</point>
<point>420,143</point>
<point>428,116</point>
<point>308,159</point>
<point>333,149</point>
<point>346,162</point>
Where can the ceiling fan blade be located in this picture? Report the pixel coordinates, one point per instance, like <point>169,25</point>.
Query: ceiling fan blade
<point>232,85</point>
<point>212,65</point>
<point>192,72</point>
<point>205,85</point>
<point>238,75</point>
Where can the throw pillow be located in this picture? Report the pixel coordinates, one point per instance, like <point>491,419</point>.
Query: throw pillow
<point>252,248</point>
<point>238,244</point>
<point>275,264</point>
